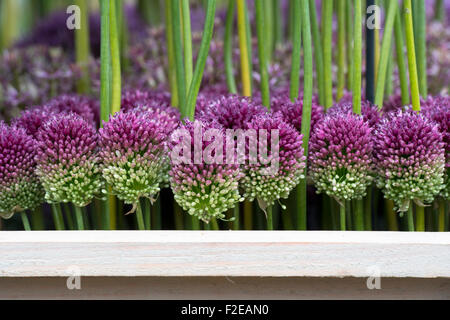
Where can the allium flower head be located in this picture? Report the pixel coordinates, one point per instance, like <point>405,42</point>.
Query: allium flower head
<point>369,111</point>
<point>204,188</point>
<point>85,107</point>
<point>133,155</point>
<point>67,162</point>
<point>410,159</point>
<point>438,110</point>
<point>231,112</point>
<point>291,112</point>
<point>32,119</point>
<point>19,186</point>
<point>278,165</point>
<point>340,156</point>
<point>139,98</point>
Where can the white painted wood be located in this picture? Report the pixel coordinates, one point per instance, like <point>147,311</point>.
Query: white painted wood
<point>224,254</point>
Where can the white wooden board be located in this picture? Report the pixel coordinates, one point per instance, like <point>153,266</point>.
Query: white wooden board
<point>224,254</point>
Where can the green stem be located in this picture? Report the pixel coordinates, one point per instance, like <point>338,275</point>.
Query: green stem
<point>399,47</point>
<point>115,58</point>
<point>68,215</point>
<point>140,217</point>
<point>385,54</point>
<point>439,11</point>
<point>358,208</point>
<point>278,23</point>
<point>195,223</point>
<point>342,216</point>
<point>318,53</point>
<point>349,31</point>
<point>201,58</point>
<point>214,224</point>
<point>147,213</point>
<point>407,11</point>
<point>368,210</point>
<point>57,216</point>
<point>244,48</point>
<point>327,33</point>
<point>348,214</point>
<point>171,55</point>
<point>306,111</point>
<point>236,217</point>
<point>441,217</point>
<point>228,47</point>
<point>391,216</point>
<point>9,23</point>
<point>357,57</point>
<point>157,214</point>
<point>267,17</point>
<point>296,48</point>
<point>420,44</point>
<point>187,40</point>
<point>420,218</point>
<point>262,52</point>
<point>178,217</point>
<point>341,49</point>
<point>105,64</point>
<point>178,54</point>
<point>79,217</point>
<point>248,215</point>
<point>124,35</point>
<point>25,221</point>
<point>37,219</point>
<point>82,47</point>
<point>410,219</point>
<point>269,218</point>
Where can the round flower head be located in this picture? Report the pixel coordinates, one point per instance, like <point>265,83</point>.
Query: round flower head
<point>203,183</point>
<point>85,107</point>
<point>291,112</point>
<point>231,112</point>
<point>133,155</point>
<point>67,162</point>
<point>369,111</point>
<point>32,119</point>
<point>278,163</point>
<point>340,156</point>
<point>19,186</point>
<point>149,99</point>
<point>410,160</point>
<point>438,110</point>
<point>393,103</point>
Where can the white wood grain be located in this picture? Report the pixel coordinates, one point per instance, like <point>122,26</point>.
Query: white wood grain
<point>224,253</point>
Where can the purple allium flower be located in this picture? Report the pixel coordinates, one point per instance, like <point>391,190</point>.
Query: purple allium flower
<point>438,110</point>
<point>67,161</point>
<point>231,112</point>
<point>19,186</point>
<point>291,112</point>
<point>134,155</point>
<point>369,111</point>
<point>148,100</point>
<point>88,109</point>
<point>409,157</point>
<point>340,156</point>
<point>393,103</point>
<point>32,119</point>
<point>205,188</point>
<point>280,163</point>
